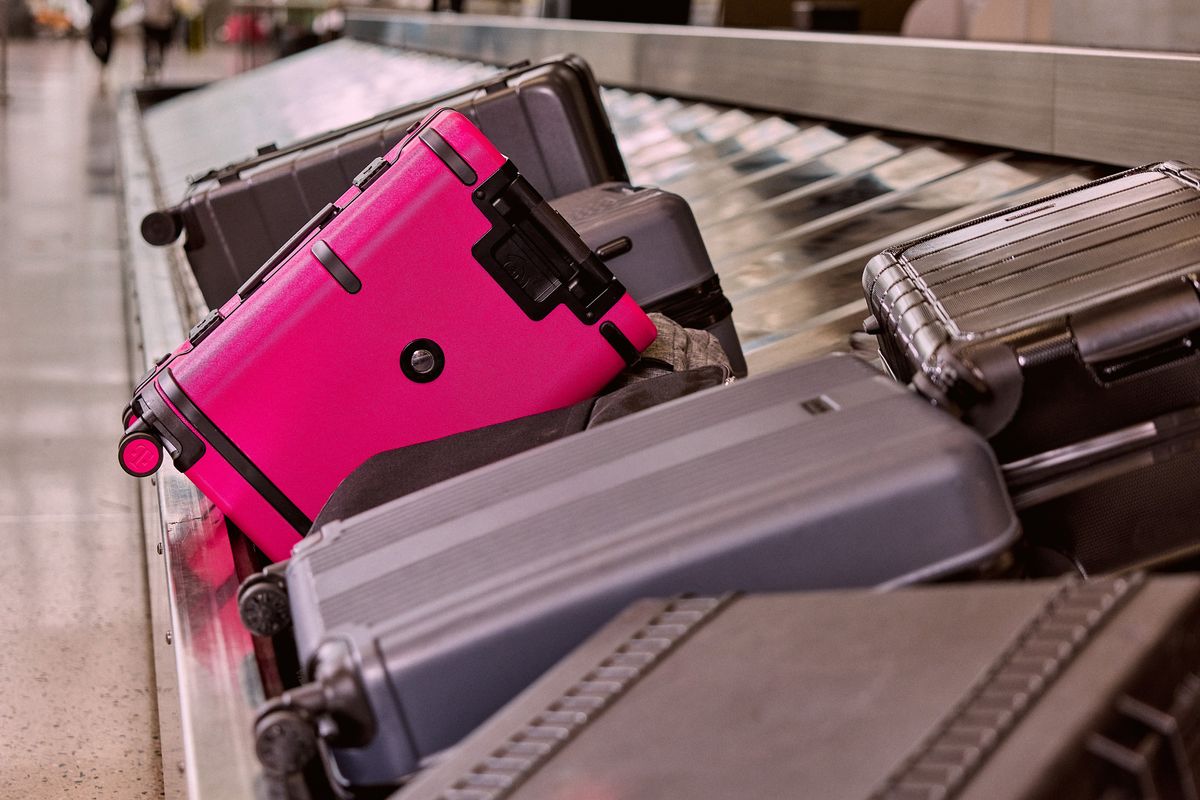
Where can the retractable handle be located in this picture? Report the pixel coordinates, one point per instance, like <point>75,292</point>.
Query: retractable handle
<point>234,169</point>
<point>564,258</point>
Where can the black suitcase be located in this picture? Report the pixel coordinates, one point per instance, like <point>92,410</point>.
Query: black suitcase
<point>1057,328</point>
<point>1027,691</point>
<point>650,240</point>
<point>420,618</point>
<point>548,118</point>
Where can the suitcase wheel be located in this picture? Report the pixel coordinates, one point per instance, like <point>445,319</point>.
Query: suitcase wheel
<point>284,741</point>
<point>160,228</point>
<point>140,454</point>
<point>263,604</point>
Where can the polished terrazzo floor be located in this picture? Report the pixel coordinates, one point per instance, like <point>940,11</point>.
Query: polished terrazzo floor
<point>78,715</point>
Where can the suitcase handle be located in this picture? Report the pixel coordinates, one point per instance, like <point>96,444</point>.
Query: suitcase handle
<point>234,169</point>
<point>536,256</point>
<point>1139,331</point>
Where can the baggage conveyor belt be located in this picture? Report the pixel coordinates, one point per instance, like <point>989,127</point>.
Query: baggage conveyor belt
<point>791,210</point>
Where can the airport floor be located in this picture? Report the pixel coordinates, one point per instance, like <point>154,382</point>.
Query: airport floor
<point>77,711</point>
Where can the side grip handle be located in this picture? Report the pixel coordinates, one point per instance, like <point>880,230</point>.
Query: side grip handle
<point>1139,331</point>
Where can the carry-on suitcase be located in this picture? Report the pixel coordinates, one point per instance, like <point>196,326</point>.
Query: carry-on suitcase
<point>440,293</point>
<point>650,240</point>
<point>1025,691</point>
<point>421,617</point>
<point>1056,325</point>
<point>548,118</point>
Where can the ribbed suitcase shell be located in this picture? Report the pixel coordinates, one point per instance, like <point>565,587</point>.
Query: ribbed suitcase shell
<point>1026,691</point>
<point>455,598</point>
<point>658,254</point>
<point>1060,329</point>
<point>547,118</point>
<point>1090,284</point>
<point>303,376</point>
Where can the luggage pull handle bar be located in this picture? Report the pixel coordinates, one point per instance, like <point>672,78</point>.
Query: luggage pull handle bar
<point>234,169</point>
<point>1055,473</point>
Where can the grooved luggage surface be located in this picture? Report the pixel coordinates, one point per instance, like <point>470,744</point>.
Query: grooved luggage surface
<point>828,474</point>
<point>1054,257</point>
<point>988,691</point>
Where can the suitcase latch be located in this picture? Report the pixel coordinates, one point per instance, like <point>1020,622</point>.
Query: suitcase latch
<point>369,173</point>
<point>204,327</point>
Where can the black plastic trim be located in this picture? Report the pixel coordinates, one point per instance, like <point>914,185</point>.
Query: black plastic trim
<point>449,156</point>
<point>535,256</point>
<point>235,457</point>
<point>370,172</point>
<point>615,248</point>
<point>700,307</point>
<point>204,327</point>
<point>336,267</point>
<point>184,447</point>
<point>620,342</point>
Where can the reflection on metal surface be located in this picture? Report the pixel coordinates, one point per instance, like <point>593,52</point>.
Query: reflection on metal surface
<point>791,210</point>
<point>217,678</point>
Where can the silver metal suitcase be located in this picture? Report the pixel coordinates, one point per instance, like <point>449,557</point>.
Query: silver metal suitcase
<point>1067,330</point>
<point>420,618</point>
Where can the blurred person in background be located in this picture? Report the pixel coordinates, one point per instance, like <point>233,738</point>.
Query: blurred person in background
<point>158,24</point>
<point>100,31</point>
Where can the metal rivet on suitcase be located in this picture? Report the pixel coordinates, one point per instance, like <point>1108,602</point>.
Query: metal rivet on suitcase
<point>422,360</point>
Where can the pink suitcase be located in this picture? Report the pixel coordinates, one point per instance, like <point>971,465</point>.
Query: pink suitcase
<point>440,293</point>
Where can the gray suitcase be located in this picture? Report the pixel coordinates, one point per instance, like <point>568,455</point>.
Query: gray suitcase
<point>420,618</point>
<point>650,240</point>
<point>1026,691</point>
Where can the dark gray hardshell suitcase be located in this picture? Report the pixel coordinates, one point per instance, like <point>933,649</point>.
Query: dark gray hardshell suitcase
<point>548,118</point>
<point>1031,691</point>
<point>426,614</point>
<point>651,238</point>
<point>1056,325</point>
